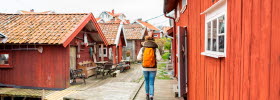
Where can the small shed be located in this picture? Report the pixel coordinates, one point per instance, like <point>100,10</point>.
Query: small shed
<point>135,35</point>
<point>116,40</point>
<point>42,48</point>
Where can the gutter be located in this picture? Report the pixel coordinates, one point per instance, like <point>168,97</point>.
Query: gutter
<point>174,38</point>
<point>174,24</point>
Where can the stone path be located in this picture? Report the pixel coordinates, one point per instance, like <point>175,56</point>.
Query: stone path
<point>122,87</point>
<point>163,91</point>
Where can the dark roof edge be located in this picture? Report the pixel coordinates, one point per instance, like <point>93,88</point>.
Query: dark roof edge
<point>169,5</point>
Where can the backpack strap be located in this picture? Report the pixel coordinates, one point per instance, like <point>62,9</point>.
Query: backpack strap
<point>143,49</point>
<point>155,52</point>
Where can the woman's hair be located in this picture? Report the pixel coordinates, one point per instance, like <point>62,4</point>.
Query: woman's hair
<point>148,38</point>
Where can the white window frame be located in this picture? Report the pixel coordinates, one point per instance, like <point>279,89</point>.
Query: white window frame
<point>214,12</point>
<point>105,53</point>
<point>184,6</point>
<point>155,35</point>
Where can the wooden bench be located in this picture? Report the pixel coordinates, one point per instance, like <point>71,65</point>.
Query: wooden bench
<point>74,74</point>
<point>88,67</point>
<point>123,66</point>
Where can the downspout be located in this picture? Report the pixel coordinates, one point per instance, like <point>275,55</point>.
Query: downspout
<point>173,42</point>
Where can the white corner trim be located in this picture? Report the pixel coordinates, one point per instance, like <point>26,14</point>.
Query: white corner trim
<point>183,9</point>
<point>214,6</point>
<point>177,19</point>
<point>118,35</point>
<point>124,36</point>
<point>144,31</point>
<point>213,54</point>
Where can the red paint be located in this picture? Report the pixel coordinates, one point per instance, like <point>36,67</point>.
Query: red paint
<point>137,47</point>
<point>82,24</point>
<point>31,68</point>
<point>250,70</point>
<point>114,49</point>
<point>49,69</point>
<point>158,35</point>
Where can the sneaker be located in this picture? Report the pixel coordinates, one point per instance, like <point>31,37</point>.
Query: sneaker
<point>147,97</point>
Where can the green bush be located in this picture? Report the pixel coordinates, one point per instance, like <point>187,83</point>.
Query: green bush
<point>167,45</point>
<point>165,56</point>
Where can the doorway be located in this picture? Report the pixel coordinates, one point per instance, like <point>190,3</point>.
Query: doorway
<point>73,57</point>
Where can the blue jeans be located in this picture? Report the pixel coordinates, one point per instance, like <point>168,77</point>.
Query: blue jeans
<point>149,81</point>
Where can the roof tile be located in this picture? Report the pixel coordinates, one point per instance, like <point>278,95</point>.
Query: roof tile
<point>110,31</point>
<point>39,28</point>
<point>148,25</point>
<point>134,31</point>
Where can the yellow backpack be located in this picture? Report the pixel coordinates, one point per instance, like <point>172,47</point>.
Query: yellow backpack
<point>149,57</point>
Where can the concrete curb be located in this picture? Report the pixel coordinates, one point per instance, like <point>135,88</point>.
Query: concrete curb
<point>137,90</point>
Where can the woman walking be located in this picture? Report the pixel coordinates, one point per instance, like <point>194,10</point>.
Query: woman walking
<point>149,55</point>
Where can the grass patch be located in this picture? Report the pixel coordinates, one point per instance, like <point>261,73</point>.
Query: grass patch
<point>162,72</point>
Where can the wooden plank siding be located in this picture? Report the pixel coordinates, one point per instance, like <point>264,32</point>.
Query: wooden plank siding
<point>49,69</point>
<point>250,70</point>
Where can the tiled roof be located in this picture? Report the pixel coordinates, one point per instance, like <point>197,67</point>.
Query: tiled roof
<point>97,19</point>
<point>114,15</point>
<point>29,12</point>
<point>114,21</point>
<point>134,31</point>
<point>40,28</point>
<point>110,31</point>
<point>148,25</point>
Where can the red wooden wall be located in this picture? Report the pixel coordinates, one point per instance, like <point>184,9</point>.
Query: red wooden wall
<point>137,47</point>
<point>84,51</point>
<point>251,68</point>
<point>156,34</point>
<point>49,69</point>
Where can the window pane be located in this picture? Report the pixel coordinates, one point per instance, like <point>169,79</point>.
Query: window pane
<point>208,35</point>
<point>4,59</point>
<point>221,24</point>
<point>214,29</point>
<point>104,51</point>
<point>221,43</point>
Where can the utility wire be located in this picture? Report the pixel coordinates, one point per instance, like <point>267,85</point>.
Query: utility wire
<point>154,17</point>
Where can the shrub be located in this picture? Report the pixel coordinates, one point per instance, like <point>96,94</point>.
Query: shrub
<point>165,56</point>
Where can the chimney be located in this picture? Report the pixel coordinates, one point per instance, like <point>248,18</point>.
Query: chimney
<point>32,10</point>
<point>113,11</point>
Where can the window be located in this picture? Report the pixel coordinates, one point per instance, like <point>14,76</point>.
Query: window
<point>156,35</point>
<point>5,60</point>
<point>104,52</point>
<point>215,31</point>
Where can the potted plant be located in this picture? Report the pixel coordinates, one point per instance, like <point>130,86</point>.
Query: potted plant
<point>127,55</point>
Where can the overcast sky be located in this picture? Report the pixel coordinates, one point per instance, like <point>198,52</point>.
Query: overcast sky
<point>133,9</point>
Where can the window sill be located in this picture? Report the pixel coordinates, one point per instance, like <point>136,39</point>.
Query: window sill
<point>213,54</point>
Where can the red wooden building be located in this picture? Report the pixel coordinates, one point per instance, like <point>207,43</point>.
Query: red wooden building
<point>226,49</point>
<point>116,41</point>
<point>41,48</point>
<point>135,35</point>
